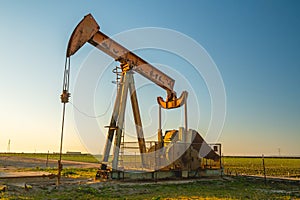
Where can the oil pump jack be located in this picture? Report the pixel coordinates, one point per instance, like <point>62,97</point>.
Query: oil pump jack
<point>188,158</point>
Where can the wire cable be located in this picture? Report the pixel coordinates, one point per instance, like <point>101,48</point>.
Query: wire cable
<point>90,116</point>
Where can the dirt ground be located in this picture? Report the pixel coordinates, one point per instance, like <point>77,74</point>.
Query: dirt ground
<point>19,174</point>
<point>17,170</point>
<point>15,162</point>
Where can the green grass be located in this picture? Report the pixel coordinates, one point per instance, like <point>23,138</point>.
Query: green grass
<point>74,172</point>
<point>283,167</point>
<point>235,188</point>
<point>80,158</point>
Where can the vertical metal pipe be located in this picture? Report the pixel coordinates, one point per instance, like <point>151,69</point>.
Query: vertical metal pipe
<point>159,117</point>
<point>47,159</point>
<point>220,153</point>
<point>185,117</point>
<point>59,167</point>
<point>159,131</point>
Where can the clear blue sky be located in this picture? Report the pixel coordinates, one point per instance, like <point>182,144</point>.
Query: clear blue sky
<point>255,44</point>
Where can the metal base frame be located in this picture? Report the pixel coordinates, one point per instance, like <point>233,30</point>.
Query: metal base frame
<point>158,175</point>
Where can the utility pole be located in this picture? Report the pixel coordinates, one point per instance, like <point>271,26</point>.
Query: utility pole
<point>8,146</point>
<point>264,168</point>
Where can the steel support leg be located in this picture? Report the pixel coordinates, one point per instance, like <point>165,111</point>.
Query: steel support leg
<point>120,121</point>
<point>137,117</point>
<point>112,125</point>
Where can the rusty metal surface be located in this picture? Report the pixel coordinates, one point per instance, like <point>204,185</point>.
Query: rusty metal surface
<point>174,155</point>
<point>202,147</point>
<point>173,103</point>
<point>88,31</point>
<point>123,55</point>
<point>82,33</point>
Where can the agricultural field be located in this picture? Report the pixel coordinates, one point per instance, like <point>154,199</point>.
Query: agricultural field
<point>55,156</point>
<point>278,167</point>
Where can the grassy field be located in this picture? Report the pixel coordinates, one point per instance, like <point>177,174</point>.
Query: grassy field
<point>54,156</point>
<point>232,188</point>
<point>282,167</point>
